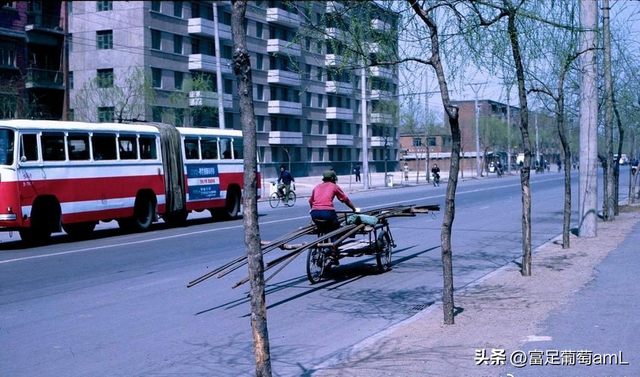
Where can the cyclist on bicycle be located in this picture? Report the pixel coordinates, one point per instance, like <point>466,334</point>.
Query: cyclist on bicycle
<point>321,202</point>
<point>286,178</point>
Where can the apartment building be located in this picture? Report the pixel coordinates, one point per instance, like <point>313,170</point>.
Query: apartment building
<point>308,106</point>
<point>31,64</point>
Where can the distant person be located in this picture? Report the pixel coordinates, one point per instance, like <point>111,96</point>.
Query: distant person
<point>285,187</point>
<point>356,171</point>
<point>406,171</point>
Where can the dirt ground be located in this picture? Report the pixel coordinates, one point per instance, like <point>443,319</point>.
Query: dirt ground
<point>500,312</point>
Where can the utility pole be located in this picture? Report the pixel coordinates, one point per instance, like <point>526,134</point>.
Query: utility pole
<point>588,194</point>
<point>221,120</point>
<point>508,129</point>
<point>476,87</point>
<point>427,161</point>
<point>363,108</point>
<point>65,62</point>
<point>537,139</point>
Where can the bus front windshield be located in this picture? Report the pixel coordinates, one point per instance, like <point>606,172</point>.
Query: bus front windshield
<point>6,147</point>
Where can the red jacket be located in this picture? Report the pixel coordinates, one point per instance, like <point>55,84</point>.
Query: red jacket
<point>323,194</point>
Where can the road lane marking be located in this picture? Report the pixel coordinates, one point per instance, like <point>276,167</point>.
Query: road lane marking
<point>240,226</point>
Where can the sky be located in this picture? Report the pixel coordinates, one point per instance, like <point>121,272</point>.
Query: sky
<point>625,16</point>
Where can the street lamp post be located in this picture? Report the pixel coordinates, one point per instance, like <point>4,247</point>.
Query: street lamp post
<point>476,88</point>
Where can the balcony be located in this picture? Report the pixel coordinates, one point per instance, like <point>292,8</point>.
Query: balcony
<point>282,17</point>
<point>338,87</point>
<point>334,6</point>
<point>339,113</point>
<point>333,60</point>
<point>209,99</point>
<point>43,23</point>
<point>280,46</point>
<point>207,63</point>
<point>285,138</point>
<point>380,25</point>
<point>381,118</point>
<point>42,78</point>
<point>278,76</point>
<point>377,141</point>
<point>335,33</point>
<point>202,27</point>
<point>382,72</point>
<point>339,140</point>
<point>378,94</point>
<point>284,108</point>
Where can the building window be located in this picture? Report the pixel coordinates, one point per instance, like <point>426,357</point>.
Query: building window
<point>177,8</point>
<point>260,124</point>
<point>156,113</point>
<point>155,6</point>
<point>320,100</point>
<point>260,61</point>
<point>156,39</point>
<point>177,44</point>
<point>307,44</point>
<point>178,79</point>
<point>308,103</point>
<point>7,56</point>
<point>156,78</point>
<point>260,92</point>
<point>417,142</point>
<point>70,80</point>
<point>102,6</point>
<point>228,86</point>
<point>104,39</point>
<point>105,78</point>
<point>259,27</point>
<point>227,52</point>
<point>105,114</point>
<point>70,42</point>
<point>195,46</point>
<point>432,142</point>
<point>179,117</point>
<point>319,72</point>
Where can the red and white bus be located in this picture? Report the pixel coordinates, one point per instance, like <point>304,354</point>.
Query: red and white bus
<point>71,175</point>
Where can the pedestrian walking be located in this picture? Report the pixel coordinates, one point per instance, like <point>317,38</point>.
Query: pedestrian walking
<point>406,171</point>
<point>356,171</point>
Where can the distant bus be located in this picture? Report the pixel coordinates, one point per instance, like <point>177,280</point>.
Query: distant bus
<point>71,175</point>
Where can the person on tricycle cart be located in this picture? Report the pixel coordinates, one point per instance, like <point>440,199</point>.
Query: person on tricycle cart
<point>322,209</point>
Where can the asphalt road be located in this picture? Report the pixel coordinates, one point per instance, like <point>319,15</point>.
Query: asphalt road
<point>118,305</point>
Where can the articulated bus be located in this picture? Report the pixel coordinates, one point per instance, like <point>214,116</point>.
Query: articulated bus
<point>71,175</point>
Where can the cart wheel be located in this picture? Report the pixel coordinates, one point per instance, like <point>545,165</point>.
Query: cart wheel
<point>274,200</point>
<point>383,256</point>
<point>316,265</point>
<point>292,199</point>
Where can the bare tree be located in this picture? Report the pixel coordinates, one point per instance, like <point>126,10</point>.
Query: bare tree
<point>242,68</point>
<point>128,93</point>
<point>608,212</point>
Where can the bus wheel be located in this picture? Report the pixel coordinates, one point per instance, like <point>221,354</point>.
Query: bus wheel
<point>175,218</point>
<point>143,214</point>
<point>232,205</point>
<point>43,216</point>
<point>79,230</point>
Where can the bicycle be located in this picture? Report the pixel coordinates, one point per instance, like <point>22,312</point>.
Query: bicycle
<point>278,196</point>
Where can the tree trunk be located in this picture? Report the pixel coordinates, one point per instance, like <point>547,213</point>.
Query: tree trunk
<point>242,68</point>
<point>609,193</point>
<point>452,183</point>
<point>631,198</point>
<point>566,148</point>
<point>588,195</point>
<point>525,172</point>
<point>616,171</point>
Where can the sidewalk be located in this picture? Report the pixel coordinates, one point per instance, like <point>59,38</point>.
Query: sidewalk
<point>578,305</point>
<point>304,185</point>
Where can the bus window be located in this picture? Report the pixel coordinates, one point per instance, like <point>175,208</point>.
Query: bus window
<point>209,149</point>
<point>104,147</point>
<point>78,145</point>
<point>6,147</point>
<point>148,148</point>
<point>191,149</point>
<point>29,147</point>
<point>53,146</point>
<point>128,146</point>
<point>225,148</point>
<point>237,148</point>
